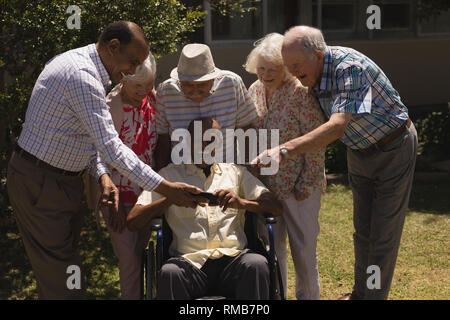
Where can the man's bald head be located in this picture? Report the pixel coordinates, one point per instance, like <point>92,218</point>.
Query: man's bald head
<point>305,38</point>
<point>122,47</point>
<point>303,53</point>
<point>125,32</point>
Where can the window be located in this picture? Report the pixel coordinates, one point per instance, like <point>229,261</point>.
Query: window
<point>334,15</point>
<point>395,15</point>
<point>439,24</point>
<point>249,26</point>
<point>269,16</point>
<point>397,20</point>
<point>339,20</point>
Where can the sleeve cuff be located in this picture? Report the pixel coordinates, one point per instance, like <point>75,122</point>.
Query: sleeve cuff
<point>98,168</point>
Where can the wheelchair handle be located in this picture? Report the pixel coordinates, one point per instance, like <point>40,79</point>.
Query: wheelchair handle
<point>156,224</point>
<point>271,220</point>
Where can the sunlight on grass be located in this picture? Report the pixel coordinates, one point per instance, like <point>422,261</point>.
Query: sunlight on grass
<point>423,263</point>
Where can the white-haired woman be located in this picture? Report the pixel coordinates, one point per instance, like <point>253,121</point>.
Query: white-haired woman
<point>131,104</point>
<point>283,103</point>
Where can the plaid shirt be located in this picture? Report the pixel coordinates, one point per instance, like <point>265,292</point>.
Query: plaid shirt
<point>68,124</point>
<point>352,83</point>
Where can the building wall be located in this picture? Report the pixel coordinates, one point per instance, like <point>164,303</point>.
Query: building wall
<point>418,68</point>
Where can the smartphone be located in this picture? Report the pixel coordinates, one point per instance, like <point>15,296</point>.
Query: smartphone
<point>208,195</point>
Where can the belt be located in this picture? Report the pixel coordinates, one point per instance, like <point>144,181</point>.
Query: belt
<point>41,164</point>
<point>390,137</point>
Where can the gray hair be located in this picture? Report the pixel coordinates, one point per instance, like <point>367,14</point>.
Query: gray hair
<point>311,39</point>
<point>145,71</point>
<point>268,48</point>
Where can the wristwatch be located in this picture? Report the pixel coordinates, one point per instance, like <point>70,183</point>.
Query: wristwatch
<point>283,151</point>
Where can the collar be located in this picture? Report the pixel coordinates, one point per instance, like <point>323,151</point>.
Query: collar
<point>104,76</point>
<point>325,81</point>
<point>193,170</point>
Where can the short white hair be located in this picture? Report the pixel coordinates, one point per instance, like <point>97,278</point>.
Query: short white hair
<point>145,71</point>
<point>310,39</point>
<point>268,48</point>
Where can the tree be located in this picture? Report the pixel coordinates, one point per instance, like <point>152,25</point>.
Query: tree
<point>231,8</point>
<point>32,32</point>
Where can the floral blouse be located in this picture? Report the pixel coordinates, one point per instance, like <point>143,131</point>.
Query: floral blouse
<point>138,132</point>
<point>295,112</point>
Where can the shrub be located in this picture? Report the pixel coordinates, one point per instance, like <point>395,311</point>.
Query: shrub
<point>336,157</point>
<point>433,133</point>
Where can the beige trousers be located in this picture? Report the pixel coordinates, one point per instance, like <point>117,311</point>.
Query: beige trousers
<point>300,222</point>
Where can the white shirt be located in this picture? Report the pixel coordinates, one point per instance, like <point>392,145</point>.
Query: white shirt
<point>207,232</point>
<point>68,123</point>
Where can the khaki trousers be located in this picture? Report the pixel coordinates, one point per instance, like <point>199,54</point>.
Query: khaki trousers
<point>47,210</point>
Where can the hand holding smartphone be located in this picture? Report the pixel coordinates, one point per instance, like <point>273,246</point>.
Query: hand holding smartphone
<point>212,198</point>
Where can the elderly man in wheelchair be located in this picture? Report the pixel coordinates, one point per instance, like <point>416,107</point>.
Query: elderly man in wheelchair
<point>209,253</point>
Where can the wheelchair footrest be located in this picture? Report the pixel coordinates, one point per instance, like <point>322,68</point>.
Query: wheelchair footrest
<point>212,298</point>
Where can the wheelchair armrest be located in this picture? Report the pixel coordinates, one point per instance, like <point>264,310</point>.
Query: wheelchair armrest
<point>156,224</point>
<point>271,220</point>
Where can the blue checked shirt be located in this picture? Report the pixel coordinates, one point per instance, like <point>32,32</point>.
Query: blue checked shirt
<point>68,124</point>
<point>352,83</point>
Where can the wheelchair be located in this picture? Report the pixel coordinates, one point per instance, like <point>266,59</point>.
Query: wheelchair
<point>156,254</point>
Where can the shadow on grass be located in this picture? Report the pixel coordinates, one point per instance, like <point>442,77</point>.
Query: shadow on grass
<point>426,196</point>
<point>432,197</point>
<point>17,279</point>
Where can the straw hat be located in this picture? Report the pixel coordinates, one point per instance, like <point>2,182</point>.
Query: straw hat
<point>195,64</point>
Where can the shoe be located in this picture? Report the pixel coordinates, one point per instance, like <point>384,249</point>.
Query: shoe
<point>349,296</point>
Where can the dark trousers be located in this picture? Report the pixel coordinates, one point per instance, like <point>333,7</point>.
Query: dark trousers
<point>47,210</point>
<point>381,183</point>
<point>244,277</point>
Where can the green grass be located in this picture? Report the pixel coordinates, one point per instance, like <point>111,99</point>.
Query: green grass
<point>423,268</point>
<point>422,272</point>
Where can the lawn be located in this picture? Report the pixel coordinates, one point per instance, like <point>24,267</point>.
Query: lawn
<point>423,264</point>
<point>422,272</point>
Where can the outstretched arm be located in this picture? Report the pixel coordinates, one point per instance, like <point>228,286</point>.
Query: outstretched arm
<point>320,137</point>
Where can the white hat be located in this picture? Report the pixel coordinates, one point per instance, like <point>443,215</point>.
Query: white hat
<point>195,64</point>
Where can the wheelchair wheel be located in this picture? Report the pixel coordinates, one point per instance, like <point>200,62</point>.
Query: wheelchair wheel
<point>150,272</point>
<point>278,281</point>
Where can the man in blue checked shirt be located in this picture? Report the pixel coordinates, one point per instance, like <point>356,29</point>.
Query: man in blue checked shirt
<point>68,128</point>
<point>367,114</point>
